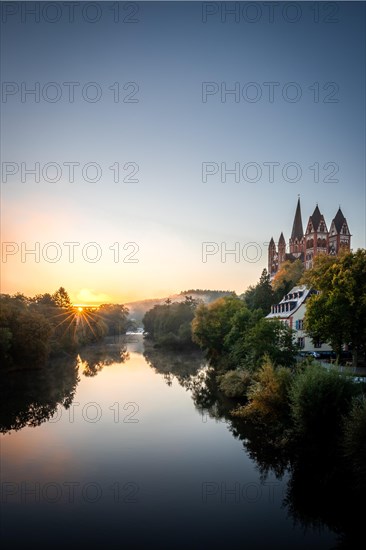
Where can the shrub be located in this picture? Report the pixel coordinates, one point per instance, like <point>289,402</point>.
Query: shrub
<point>354,438</point>
<point>234,383</point>
<point>269,395</point>
<point>319,399</point>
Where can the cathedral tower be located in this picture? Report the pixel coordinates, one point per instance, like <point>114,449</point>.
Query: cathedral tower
<point>272,258</point>
<point>316,240</point>
<point>281,250</point>
<point>339,234</point>
<point>297,235</point>
<point>316,237</point>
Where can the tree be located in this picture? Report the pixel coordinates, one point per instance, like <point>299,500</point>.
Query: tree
<point>25,335</point>
<point>261,295</point>
<point>169,324</point>
<point>272,338</point>
<point>212,323</point>
<point>44,299</point>
<point>61,298</point>
<point>115,317</point>
<point>288,276</point>
<point>338,313</point>
<point>236,340</point>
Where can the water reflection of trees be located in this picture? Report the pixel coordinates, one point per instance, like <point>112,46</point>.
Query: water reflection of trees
<point>321,492</point>
<point>93,359</point>
<point>31,397</point>
<point>183,366</point>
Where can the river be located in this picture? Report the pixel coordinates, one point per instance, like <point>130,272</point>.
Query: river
<point>116,450</point>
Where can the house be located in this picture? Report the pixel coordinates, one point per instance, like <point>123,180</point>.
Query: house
<point>291,310</point>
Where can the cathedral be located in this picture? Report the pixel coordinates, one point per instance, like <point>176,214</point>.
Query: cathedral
<point>316,240</point>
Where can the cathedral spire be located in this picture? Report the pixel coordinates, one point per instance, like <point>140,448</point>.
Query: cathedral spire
<point>297,229</point>
<point>339,220</point>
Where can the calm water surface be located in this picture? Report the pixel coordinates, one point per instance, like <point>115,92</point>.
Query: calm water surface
<point>122,455</point>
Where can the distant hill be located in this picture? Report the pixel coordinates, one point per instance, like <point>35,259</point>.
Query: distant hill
<point>139,308</point>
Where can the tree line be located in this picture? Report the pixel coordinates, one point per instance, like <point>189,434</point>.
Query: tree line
<point>235,334</point>
<point>34,328</point>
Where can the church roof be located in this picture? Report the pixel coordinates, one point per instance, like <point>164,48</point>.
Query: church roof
<point>297,229</point>
<point>289,256</point>
<point>281,239</point>
<point>315,218</point>
<point>339,220</point>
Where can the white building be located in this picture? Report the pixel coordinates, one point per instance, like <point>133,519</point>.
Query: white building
<point>291,310</point>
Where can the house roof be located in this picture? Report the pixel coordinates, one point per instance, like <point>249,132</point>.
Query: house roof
<point>297,295</point>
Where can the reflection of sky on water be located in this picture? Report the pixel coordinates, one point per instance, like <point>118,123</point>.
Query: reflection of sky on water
<point>176,467</point>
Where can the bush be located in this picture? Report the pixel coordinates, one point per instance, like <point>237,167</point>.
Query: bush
<point>319,400</point>
<point>234,383</point>
<point>354,439</point>
<point>269,395</point>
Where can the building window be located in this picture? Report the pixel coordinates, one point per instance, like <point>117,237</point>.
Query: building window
<point>299,324</point>
<point>317,343</point>
<point>301,342</point>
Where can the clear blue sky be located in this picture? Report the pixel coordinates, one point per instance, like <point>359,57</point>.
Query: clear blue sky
<point>169,52</point>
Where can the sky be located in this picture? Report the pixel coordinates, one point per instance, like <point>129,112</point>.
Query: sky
<point>162,135</point>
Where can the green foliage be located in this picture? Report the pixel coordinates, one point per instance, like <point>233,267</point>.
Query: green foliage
<point>338,313</point>
<point>25,334</point>
<point>33,328</point>
<point>234,383</point>
<point>319,400</point>
<point>236,340</point>
<point>169,324</point>
<point>114,316</point>
<point>234,336</point>
<point>261,295</point>
<point>354,439</point>
<point>269,395</point>
<point>273,338</point>
<point>214,322</point>
<point>288,276</point>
